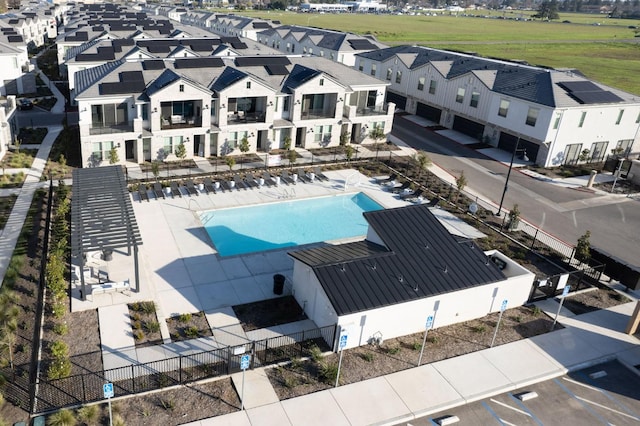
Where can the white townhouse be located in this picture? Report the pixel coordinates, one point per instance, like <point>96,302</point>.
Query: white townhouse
<point>333,45</point>
<point>553,116</point>
<point>239,26</point>
<point>145,109</point>
<point>8,128</point>
<point>15,64</point>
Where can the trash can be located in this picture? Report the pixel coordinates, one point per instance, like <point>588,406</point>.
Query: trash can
<point>278,284</point>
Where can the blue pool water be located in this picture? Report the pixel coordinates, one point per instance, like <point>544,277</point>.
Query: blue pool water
<point>270,226</point>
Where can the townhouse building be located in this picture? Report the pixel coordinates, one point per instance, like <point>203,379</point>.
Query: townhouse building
<point>145,109</point>
<point>8,128</point>
<point>553,117</point>
<point>15,60</point>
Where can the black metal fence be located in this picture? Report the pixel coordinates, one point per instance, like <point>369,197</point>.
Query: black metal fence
<point>182,369</point>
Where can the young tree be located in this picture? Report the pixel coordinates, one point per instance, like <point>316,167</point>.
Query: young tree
<point>244,148</point>
<point>547,10</point>
<point>583,248</point>
<point>113,156</point>
<point>377,134</point>
<point>286,144</point>
<point>181,152</point>
<point>155,169</point>
<point>514,218</point>
<point>584,155</point>
<point>230,162</point>
<point>348,152</point>
<point>461,182</point>
<point>292,156</point>
<point>345,137</point>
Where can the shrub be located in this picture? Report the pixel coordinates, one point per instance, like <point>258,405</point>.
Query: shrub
<point>59,349</point>
<point>61,328</point>
<point>416,346</point>
<point>152,326</point>
<point>148,307</point>
<point>192,332</point>
<point>136,317</point>
<point>367,356</point>
<point>535,311</point>
<point>184,317</point>
<point>138,335</point>
<point>136,325</point>
<point>118,420</point>
<point>59,369</point>
<point>63,417</point>
<point>479,328</point>
<point>296,363</point>
<point>316,353</point>
<point>290,382</point>
<point>393,350</point>
<point>89,414</point>
<point>167,404</point>
<point>328,372</point>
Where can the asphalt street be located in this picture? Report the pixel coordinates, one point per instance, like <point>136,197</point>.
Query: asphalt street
<point>564,212</point>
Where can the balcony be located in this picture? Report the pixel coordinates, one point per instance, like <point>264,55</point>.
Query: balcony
<point>241,117</point>
<point>319,113</point>
<point>380,110</point>
<point>179,122</point>
<point>105,130</point>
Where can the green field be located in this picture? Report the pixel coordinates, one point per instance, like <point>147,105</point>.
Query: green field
<point>608,53</point>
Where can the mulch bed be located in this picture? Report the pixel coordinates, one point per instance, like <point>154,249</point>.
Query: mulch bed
<point>188,326</point>
<point>144,323</point>
<point>268,313</point>
<point>593,300</point>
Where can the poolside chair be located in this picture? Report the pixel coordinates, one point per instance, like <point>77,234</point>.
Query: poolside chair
<point>284,177</point>
<point>387,180</point>
<point>142,190</point>
<point>239,182</point>
<point>224,184</point>
<point>302,176</point>
<point>411,195</point>
<point>250,181</point>
<point>175,191</point>
<point>319,173</point>
<point>157,190</point>
<point>191,188</point>
<point>208,186</point>
<point>400,188</point>
<point>268,179</point>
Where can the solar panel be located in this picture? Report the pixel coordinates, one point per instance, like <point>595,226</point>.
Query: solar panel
<point>131,76</point>
<point>361,44</point>
<point>153,65</point>
<point>238,45</point>
<point>15,39</point>
<point>596,97</point>
<point>201,47</point>
<point>258,25</point>
<point>256,61</point>
<point>277,69</point>
<point>120,88</point>
<point>199,63</point>
<point>579,86</point>
<point>154,48</point>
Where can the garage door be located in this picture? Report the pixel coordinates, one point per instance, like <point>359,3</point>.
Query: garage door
<point>428,112</point>
<point>399,100</point>
<point>468,127</point>
<point>507,142</point>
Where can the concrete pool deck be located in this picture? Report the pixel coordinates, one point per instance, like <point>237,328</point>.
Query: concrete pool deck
<point>181,271</point>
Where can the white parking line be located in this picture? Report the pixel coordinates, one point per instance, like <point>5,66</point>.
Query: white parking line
<point>510,407</point>
<point>607,408</point>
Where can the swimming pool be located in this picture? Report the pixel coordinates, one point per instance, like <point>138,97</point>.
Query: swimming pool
<point>277,225</point>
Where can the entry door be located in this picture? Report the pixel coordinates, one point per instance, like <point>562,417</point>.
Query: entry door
<point>261,138</point>
<point>129,146</point>
<point>146,149</point>
<point>198,145</point>
<point>300,134</point>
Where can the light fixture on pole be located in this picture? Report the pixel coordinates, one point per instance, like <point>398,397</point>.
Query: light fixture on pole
<point>506,182</point>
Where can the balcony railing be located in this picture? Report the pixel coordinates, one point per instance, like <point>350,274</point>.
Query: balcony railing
<point>371,111</point>
<point>246,117</point>
<point>314,114</point>
<point>124,128</point>
<point>180,122</point>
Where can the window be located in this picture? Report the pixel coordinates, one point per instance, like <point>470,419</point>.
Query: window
<point>572,153</point>
<point>181,88</point>
<point>619,119</point>
<point>460,95</point>
<point>288,46</point>
<point>432,87</point>
<point>374,69</point>
<point>145,111</point>
<point>248,85</point>
<point>638,118</point>
<point>421,81</point>
<point>623,146</point>
<point>332,56</point>
<point>389,72</point>
<point>287,102</point>
<point>234,139</point>
<point>475,98</point>
<point>504,108</point>
<point>322,134</point>
<point>582,117</point>
<point>378,125</point>
<point>556,123</point>
<point>322,53</point>
<point>322,82</point>
<point>361,66</point>
<point>109,115</point>
<point>598,151</point>
<point>532,116</point>
<point>398,76</point>
<point>167,145</point>
<point>101,150</point>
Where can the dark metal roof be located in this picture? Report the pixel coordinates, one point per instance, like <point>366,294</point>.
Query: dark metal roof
<point>300,75</point>
<point>101,211</point>
<point>421,259</point>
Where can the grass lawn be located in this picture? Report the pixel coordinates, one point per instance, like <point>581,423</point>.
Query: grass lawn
<point>6,204</point>
<point>19,160</point>
<point>605,53</point>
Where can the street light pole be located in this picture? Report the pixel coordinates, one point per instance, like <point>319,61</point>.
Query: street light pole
<point>506,182</point>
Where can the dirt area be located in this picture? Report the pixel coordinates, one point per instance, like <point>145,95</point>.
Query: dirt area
<point>144,323</point>
<point>268,313</point>
<point>188,326</point>
<point>594,299</point>
<point>369,361</point>
<point>622,186</point>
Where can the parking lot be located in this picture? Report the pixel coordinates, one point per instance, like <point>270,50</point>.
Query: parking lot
<point>603,394</point>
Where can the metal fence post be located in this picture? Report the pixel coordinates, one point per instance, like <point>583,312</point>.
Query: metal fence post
<point>133,379</point>
<point>180,368</point>
<point>533,243</point>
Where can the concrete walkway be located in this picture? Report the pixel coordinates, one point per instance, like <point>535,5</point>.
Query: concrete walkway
<point>586,340</point>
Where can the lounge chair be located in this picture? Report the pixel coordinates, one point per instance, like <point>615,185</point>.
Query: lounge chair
<point>191,188</point>
<point>175,191</point>
<point>284,177</point>
<point>225,185</point>
<point>239,182</point>
<point>157,190</point>
<point>250,181</point>
<point>400,189</point>
<point>302,176</point>
<point>142,190</point>
<point>319,174</point>
<point>387,180</point>
<point>268,179</point>
<point>409,196</point>
<point>208,186</point>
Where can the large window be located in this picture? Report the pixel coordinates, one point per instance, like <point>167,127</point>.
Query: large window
<point>167,145</point>
<point>475,98</point>
<point>182,108</point>
<point>504,108</point>
<point>421,81</point>
<point>389,73</point>
<point>619,119</point>
<point>101,150</point>
<point>532,116</point>
<point>322,134</point>
<point>623,146</point>
<point>432,87</point>
<point>460,95</point>
<point>235,138</point>
<point>398,76</point>
<point>556,123</point>
<point>109,115</point>
<point>598,151</point>
<point>582,117</point>
<point>374,69</point>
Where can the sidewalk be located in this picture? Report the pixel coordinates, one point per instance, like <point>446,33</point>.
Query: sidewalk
<point>586,340</point>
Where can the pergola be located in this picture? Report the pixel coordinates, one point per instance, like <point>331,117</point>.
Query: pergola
<point>102,217</point>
